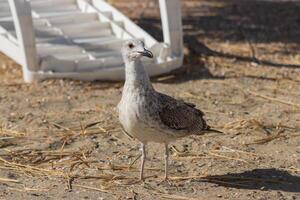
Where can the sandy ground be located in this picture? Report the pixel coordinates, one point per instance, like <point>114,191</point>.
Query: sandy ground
<point>242,68</point>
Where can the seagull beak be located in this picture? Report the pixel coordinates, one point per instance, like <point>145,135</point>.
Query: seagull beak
<point>147,53</point>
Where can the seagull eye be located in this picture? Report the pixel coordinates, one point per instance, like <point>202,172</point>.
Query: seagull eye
<point>130,45</point>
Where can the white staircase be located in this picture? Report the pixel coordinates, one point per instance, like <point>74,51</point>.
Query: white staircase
<point>81,39</point>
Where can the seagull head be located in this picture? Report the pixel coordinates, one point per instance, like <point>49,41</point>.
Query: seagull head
<point>135,49</point>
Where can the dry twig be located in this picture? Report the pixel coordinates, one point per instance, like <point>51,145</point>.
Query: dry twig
<point>273,99</point>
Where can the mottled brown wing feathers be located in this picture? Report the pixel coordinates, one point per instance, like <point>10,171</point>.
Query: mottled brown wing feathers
<point>180,115</point>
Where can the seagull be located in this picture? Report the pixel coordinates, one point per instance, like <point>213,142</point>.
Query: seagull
<point>150,116</point>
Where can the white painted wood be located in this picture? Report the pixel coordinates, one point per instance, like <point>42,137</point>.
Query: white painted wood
<point>81,39</point>
<point>37,14</point>
<point>129,26</point>
<point>56,8</point>
<point>73,18</point>
<point>11,49</point>
<point>101,54</point>
<point>111,73</point>
<point>99,64</point>
<point>94,39</point>
<point>118,28</point>
<point>49,3</point>
<point>172,25</point>
<point>4,7</point>
<point>58,49</point>
<point>92,29</point>
<point>21,12</point>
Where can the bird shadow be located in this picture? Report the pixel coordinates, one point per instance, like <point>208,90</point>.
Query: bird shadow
<point>258,179</point>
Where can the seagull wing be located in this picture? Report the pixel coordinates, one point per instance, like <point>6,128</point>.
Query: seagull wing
<point>179,115</point>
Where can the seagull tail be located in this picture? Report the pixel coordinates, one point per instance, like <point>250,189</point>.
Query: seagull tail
<point>214,131</point>
<point>211,130</point>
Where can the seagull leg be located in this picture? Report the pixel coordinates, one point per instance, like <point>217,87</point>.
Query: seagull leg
<point>166,161</point>
<point>142,161</point>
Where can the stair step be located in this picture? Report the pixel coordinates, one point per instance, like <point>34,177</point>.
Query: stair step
<point>58,50</point>
<point>93,39</point>
<point>84,25</point>
<point>40,22</point>
<point>7,25</point>
<point>72,56</point>
<point>91,29</point>
<point>72,18</point>
<point>52,40</point>
<point>41,33</point>
<point>50,3</point>
<point>4,6</point>
<point>104,54</point>
<point>7,18</point>
<point>56,9</point>
<point>55,13</point>
<point>54,64</point>
<point>102,63</point>
<point>5,13</point>
<point>47,32</point>
<point>40,26</point>
<point>115,44</point>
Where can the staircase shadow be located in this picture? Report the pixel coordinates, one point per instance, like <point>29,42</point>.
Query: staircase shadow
<point>256,21</point>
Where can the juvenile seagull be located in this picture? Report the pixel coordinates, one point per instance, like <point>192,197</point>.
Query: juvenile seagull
<point>148,115</point>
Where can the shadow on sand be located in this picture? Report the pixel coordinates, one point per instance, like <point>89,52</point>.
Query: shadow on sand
<point>263,179</point>
<point>255,21</point>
